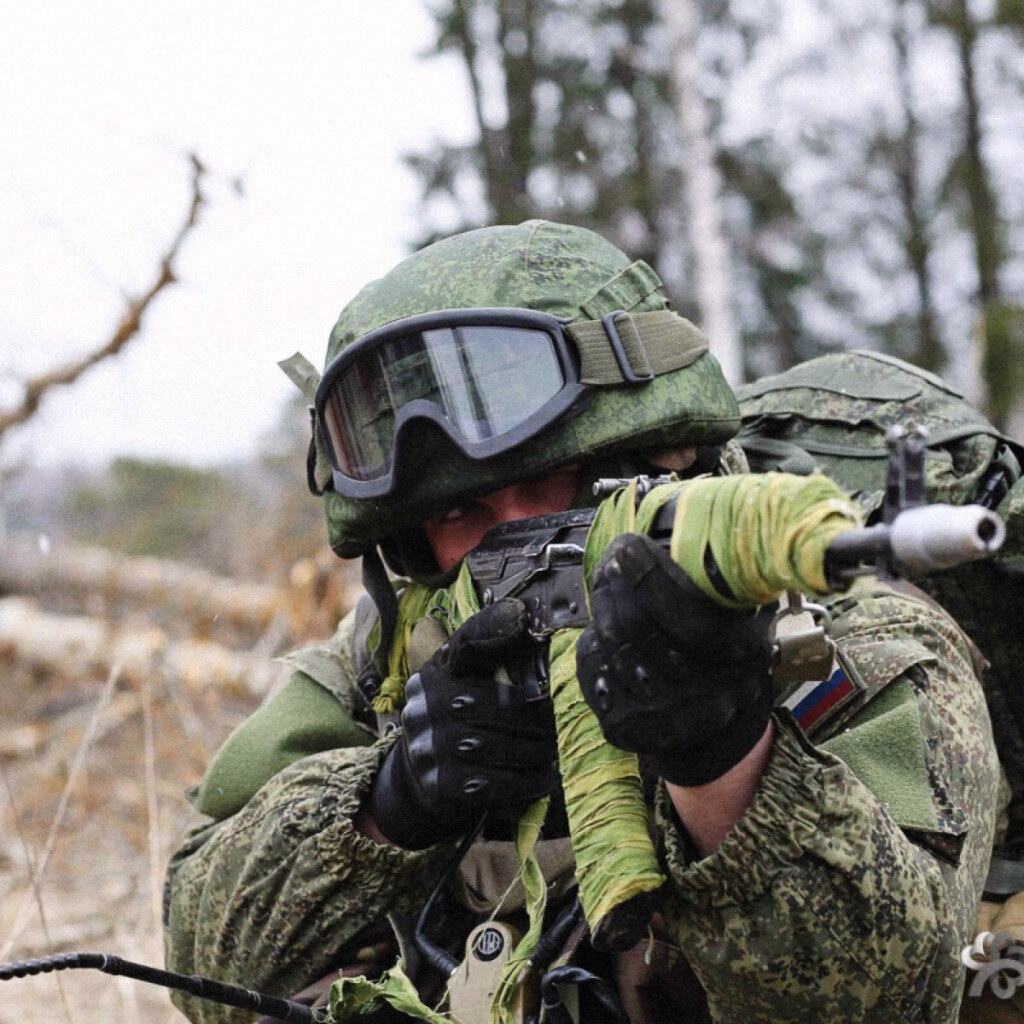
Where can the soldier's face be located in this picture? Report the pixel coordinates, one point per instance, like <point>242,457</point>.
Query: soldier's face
<point>453,533</point>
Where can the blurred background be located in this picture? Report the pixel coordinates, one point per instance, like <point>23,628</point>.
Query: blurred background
<point>192,191</point>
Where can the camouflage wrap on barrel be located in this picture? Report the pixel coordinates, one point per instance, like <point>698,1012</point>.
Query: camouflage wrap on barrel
<point>557,269</point>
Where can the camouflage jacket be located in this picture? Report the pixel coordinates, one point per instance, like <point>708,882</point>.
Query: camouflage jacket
<point>844,893</point>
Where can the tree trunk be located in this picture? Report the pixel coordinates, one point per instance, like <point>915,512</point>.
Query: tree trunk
<point>491,139</point>
<point>191,600</point>
<point>928,352</point>
<point>76,646</point>
<point>517,33</point>
<point>713,283</point>
<point>1000,374</point>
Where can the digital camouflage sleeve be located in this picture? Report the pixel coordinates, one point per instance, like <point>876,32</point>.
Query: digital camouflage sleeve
<point>818,906</point>
<point>844,894</point>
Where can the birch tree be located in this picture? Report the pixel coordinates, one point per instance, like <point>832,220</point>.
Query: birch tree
<point>712,271</point>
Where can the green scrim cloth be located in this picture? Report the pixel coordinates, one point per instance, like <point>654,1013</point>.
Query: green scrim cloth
<point>350,997</point>
<point>412,606</point>
<point>615,859</point>
<point>766,532</point>
<point>527,835</point>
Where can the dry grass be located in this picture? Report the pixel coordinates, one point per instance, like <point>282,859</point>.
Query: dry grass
<point>91,805</point>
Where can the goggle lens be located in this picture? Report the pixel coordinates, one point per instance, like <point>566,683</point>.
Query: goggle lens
<point>485,381</point>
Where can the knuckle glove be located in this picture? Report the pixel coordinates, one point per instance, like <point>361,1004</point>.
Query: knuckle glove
<point>670,674</point>
<point>469,742</point>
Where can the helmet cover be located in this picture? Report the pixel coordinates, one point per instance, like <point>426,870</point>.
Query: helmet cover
<point>554,268</point>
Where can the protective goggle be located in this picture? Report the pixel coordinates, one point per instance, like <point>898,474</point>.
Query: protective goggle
<point>490,379</point>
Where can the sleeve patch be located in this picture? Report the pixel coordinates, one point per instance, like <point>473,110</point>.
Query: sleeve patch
<point>815,704</point>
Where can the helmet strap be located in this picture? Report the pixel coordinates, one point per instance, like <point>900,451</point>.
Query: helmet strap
<point>378,586</point>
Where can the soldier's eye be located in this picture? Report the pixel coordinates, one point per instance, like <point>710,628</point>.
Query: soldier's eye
<point>454,513</point>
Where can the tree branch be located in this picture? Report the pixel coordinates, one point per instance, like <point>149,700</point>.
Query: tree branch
<point>131,319</point>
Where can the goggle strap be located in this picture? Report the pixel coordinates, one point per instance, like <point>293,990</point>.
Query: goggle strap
<point>655,342</point>
<point>319,463</point>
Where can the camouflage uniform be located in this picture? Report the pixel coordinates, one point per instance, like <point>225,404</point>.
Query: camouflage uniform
<point>823,904</point>
<point>844,893</point>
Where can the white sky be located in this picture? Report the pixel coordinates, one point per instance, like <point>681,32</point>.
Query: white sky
<point>311,101</point>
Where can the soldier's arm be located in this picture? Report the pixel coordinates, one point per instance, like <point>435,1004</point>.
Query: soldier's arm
<point>268,897</point>
<point>709,812</point>
<point>268,893</point>
<point>823,902</point>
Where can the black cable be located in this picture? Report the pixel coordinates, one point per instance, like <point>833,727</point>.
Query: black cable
<point>551,942</point>
<point>203,988</point>
<point>438,958</point>
<point>554,1008</point>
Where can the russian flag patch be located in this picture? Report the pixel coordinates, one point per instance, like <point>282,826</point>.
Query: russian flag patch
<point>813,704</point>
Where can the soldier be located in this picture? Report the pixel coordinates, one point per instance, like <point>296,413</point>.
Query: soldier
<point>493,376</point>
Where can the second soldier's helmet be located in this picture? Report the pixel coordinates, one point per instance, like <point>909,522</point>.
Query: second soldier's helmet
<point>494,356</point>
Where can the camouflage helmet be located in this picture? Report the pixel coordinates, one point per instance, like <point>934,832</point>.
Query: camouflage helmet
<point>565,271</point>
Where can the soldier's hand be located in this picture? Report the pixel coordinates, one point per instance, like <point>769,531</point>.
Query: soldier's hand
<point>670,674</point>
<point>470,743</point>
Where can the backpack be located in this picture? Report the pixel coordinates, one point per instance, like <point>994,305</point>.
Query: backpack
<point>831,414</point>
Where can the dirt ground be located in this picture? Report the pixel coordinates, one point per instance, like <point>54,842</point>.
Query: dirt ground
<point>92,780</point>
<point>93,772</point>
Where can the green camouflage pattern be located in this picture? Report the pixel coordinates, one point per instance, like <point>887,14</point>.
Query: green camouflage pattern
<point>837,409</point>
<point>1011,509</point>
<point>816,907</point>
<point>554,268</point>
<point>271,896</point>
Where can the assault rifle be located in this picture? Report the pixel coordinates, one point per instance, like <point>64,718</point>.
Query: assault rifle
<point>540,560</point>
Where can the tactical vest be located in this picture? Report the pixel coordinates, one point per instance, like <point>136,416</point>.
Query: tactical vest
<point>831,414</point>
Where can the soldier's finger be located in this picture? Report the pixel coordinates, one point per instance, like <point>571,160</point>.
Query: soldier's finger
<point>484,639</point>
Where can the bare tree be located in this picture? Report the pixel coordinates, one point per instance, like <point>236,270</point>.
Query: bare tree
<point>35,388</point>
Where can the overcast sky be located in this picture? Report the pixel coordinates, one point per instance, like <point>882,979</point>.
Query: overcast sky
<point>311,103</point>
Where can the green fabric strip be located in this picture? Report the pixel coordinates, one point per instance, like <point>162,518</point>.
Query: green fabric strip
<point>655,343</point>
<point>351,997</point>
<point>626,290</point>
<point>302,373</point>
<point>604,801</point>
<point>527,834</point>
<point>412,606</point>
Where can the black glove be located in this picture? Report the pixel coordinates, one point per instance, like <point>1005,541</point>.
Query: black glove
<point>469,743</point>
<point>670,674</point>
